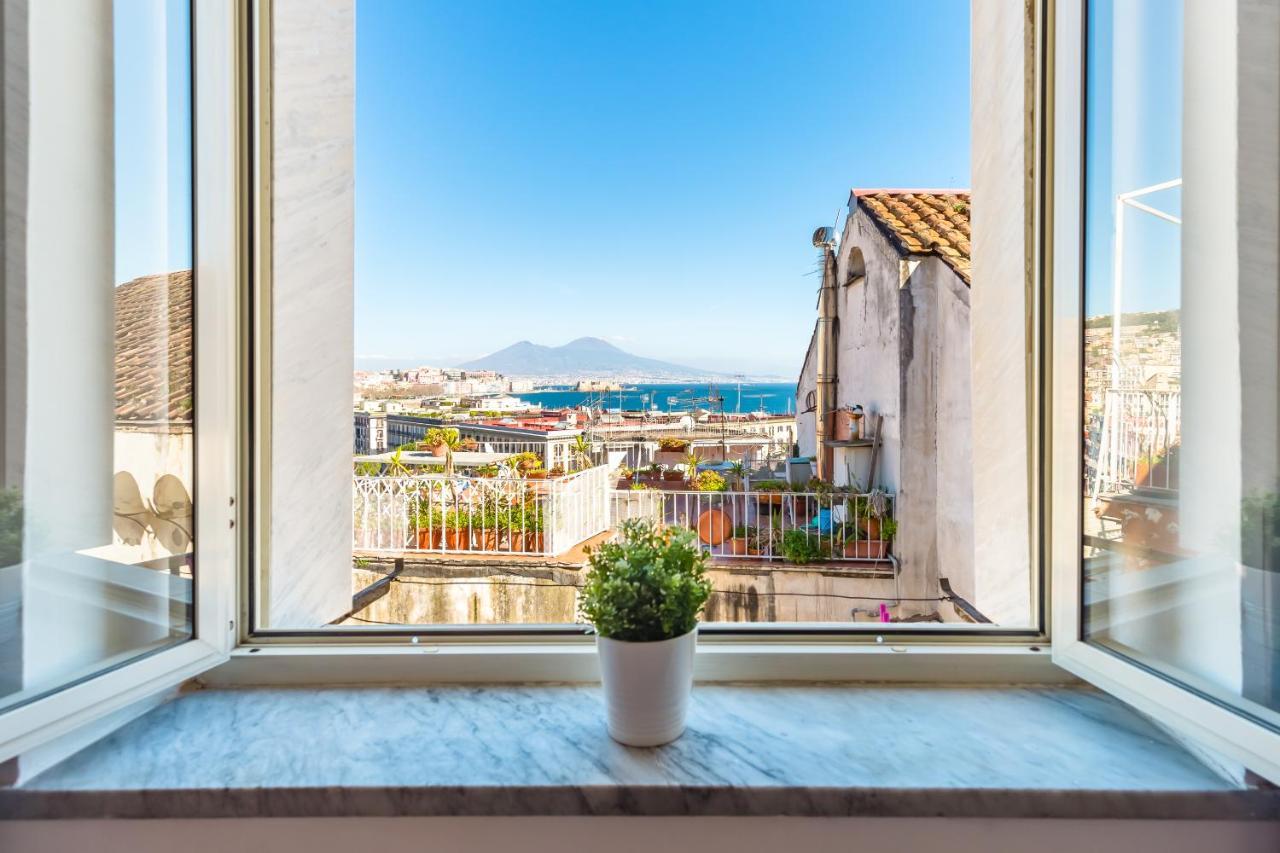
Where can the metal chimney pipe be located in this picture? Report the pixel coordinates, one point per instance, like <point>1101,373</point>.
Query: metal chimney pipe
<point>826,363</point>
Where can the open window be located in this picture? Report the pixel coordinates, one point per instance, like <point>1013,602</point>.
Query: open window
<point>117,507</point>
<point>1164,374</point>
<point>432,457</point>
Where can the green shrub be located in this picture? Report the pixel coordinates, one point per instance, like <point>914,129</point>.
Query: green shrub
<point>710,481</point>
<point>650,586</point>
<point>799,548</point>
<point>770,486</point>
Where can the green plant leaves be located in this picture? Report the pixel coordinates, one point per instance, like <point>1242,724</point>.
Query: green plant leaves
<point>650,586</point>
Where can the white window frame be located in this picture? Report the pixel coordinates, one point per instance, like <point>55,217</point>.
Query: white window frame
<point>775,651</point>
<point>1211,723</point>
<point>218,251</point>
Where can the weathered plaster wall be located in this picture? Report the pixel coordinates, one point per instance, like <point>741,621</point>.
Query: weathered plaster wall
<point>867,361</point>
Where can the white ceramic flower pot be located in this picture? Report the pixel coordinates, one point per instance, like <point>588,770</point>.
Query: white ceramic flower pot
<point>647,687</point>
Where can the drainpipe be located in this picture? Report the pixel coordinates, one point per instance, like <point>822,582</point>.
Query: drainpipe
<point>826,240</point>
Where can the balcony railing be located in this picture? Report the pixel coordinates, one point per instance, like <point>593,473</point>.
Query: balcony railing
<point>803,527</point>
<point>1135,444</point>
<point>488,515</point>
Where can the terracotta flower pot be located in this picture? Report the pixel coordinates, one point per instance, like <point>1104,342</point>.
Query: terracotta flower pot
<point>437,449</point>
<point>536,474</point>
<point>458,539</point>
<point>738,546</point>
<point>714,526</point>
<point>533,542</point>
<point>429,539</point>
<point>872,525</point>
<point>866,549</point>
<point>488,539</point>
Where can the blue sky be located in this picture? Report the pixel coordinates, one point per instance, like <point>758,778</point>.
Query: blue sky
<point>646,172</point>
<point>1134,127</point>
<point>152,137</point>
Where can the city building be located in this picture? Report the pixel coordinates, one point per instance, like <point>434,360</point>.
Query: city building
<point>897,294</point>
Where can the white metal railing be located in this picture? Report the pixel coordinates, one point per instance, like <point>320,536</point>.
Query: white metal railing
<point>488,515</point>
<point>1138,432</point>
<point>770,525</point>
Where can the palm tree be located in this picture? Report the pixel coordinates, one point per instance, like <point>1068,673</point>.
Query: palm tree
<point>691,465</point>
<point>581,450</point>
<point>739,472</point>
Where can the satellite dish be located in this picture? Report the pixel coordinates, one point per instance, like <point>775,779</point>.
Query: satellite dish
<point>172,521</point>
<point>129,513</point>
<point>825,238</point>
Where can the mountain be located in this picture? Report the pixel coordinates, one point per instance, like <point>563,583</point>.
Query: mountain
<point>583,356</point>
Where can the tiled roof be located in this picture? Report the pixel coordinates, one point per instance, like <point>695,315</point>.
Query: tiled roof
<point>153,349</point>
<point>922,222</point>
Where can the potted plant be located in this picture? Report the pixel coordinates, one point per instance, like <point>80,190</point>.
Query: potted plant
<point>857,542</point>
<point>801,548</point>
<point>525,462</point>
<point>468,445</point>
<point>643,594</point>
<point>457,530</point>
<point>740,541</point>
<point>653,472</point>
<point>484,523</point>
<point>531,524</point>
<point>770,492</point>
<point>672,475</point>
<point>522,526</point>
<point>427,524</point>
<point>443,442</point>
<point>709,481</point>
<point>738,471</point>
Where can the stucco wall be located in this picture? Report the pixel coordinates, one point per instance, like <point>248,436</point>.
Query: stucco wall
<point>867,359</point>
<point>904,352</point>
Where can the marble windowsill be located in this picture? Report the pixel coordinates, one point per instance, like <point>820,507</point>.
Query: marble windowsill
<point>817,750</point>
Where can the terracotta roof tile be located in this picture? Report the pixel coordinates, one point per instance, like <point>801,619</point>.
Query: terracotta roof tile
<point>922,222</point>
<point>153,365</point>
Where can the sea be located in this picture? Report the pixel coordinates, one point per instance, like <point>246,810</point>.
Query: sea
<point>776,398</point>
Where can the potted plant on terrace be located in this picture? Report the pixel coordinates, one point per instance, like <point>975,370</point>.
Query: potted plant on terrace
<point>770,492</point>
<point>427,524</point>
<point>457,530</point>
<point>740,541</point>
<point>643,594</point>
<point>525,462</point>
<point>443,442</point>
<point>672,475</point>
<point>801,548</point>
<point>709,481</point>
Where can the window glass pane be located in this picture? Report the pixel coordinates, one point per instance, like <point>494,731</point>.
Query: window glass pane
<point>96,519</point>
<point>582,252</point>
<point>1180,451</point>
